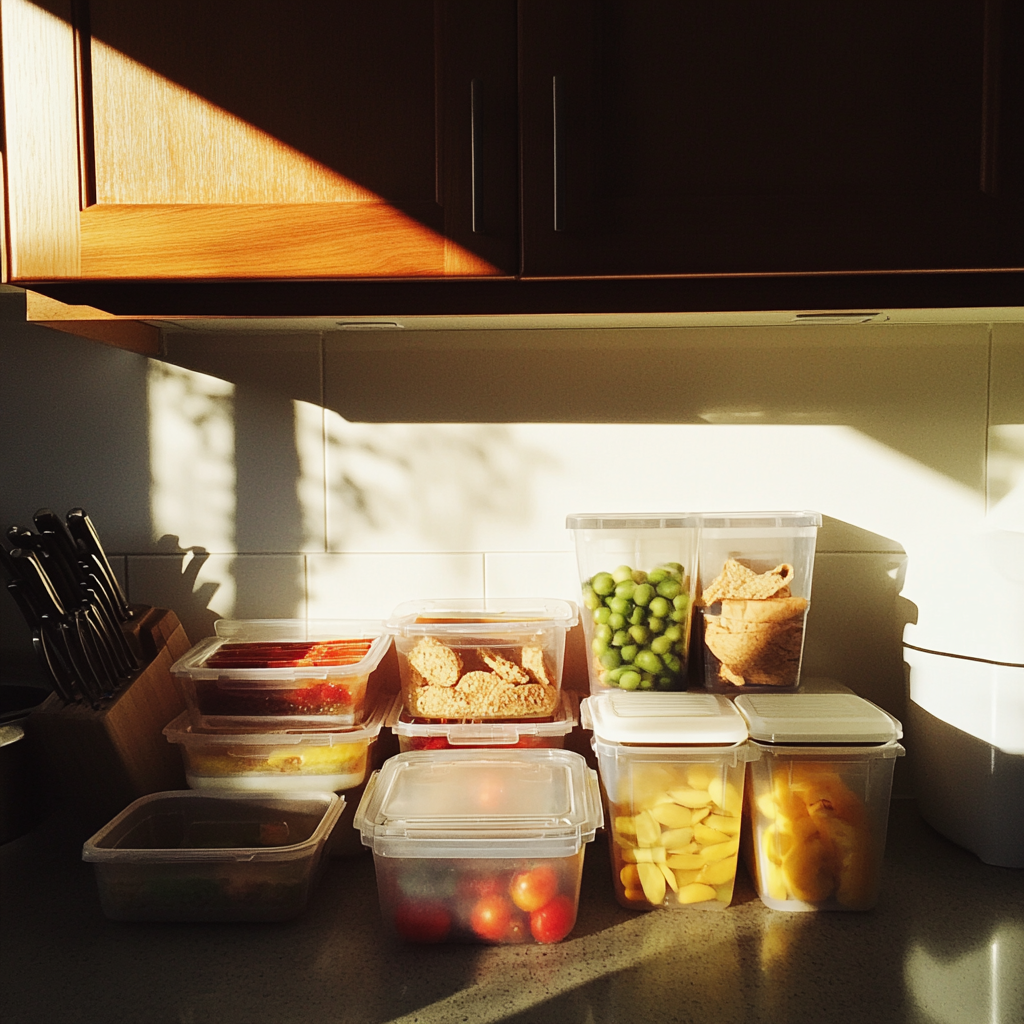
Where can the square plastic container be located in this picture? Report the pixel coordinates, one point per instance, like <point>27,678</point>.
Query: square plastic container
<point>186,856</point>
<point>467,658</point>
<point>269,674</point>
<point>638,578</point>
<point>278,762</point>
<point>752,629</point>
<point>424,734</point>
<point>672,770</point>
<point>480,845</point>
<point>818,798</point>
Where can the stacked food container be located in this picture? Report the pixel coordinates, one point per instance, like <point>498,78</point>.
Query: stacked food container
<point>478,826</point>
<point>818,798</point>
<point>279,725</point>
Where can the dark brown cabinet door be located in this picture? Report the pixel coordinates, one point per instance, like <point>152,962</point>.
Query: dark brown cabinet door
<point>724,137</point>
<point>265,139</point>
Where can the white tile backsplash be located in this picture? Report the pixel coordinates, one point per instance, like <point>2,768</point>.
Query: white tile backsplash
<point>303,474</point>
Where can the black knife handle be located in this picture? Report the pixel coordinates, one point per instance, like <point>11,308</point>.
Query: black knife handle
<point>42,591</point>
<point>81,528</point>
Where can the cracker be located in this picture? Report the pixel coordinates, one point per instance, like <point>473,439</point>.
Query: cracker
<point>773,609</point>
<point>435,664</point>
<point>508,670</point>
<point>534,663</point>
<point>738,581</point>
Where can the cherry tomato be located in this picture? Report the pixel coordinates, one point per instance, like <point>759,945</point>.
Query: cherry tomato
<point>530,890</point>
<point>429,743</point>
<point>554,920</point>
<point>423,922</point>
<point>491,918</point>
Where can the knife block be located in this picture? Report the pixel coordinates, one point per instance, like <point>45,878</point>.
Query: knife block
<point>100,760</point>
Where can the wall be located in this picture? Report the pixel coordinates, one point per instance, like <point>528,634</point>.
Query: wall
<point>321,475</point>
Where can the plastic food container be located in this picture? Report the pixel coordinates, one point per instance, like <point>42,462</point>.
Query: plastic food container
<point>818,798</point>
<point>425,734</point>
<point>277,761</point>
<point>480,845</point>
<point>468,658</point>
<point>186,856</point>
<point>637,577</point>
<point>672,770</point>
<point>274,674</point>
<point>755,590</point>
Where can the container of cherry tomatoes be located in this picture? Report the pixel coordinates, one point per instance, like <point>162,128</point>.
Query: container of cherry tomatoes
<point>432,734</point>
<point>278,674</point>
<point>480,845</point>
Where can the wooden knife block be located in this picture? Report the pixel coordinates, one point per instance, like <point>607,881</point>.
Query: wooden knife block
<point>99,761</point>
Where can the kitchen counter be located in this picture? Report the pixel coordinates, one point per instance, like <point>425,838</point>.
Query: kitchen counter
<point>945,945</point>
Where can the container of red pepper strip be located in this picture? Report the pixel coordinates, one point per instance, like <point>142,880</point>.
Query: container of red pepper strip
<point>281,674</point>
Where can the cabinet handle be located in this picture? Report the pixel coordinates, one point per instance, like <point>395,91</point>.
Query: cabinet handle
<point>476,170</point>
<point>558,123</point>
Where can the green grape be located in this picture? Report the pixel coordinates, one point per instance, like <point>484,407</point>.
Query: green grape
<point>661,644</point>
<point>611,658</point>
<point>669,588</point>
<point>655,625</point>
<point>620,639</point>
<point>602,615</point>
<point>629,680</point>
<point>598,646</point>
<point>648,661</point>
<point>641,634</point>
<point>603,584</point>
<point>660,607</point>
<point>629,652</point>
<point>642,594</point>
<point>615,620</point>
<point>622,573</point>
<point>618,604</point>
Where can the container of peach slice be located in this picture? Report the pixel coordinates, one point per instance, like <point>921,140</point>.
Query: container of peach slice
<point>817,798</point>
<point>672,770</point>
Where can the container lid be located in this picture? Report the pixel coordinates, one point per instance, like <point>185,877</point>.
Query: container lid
<point>759,520</point>
<point>816,718</point>
<point>181,731</point>
<point>632,521</point>
<point>480,803</point>
<point>483,731</point>
<point>657,719</point>
<point>194,664</point>
<point>183,826</point>
<point>464,616</point>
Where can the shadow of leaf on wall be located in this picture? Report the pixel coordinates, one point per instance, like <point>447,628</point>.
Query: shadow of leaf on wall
<point>177,579</point>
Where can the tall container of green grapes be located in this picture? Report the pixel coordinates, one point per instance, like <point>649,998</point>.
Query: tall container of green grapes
<point>638,575</point>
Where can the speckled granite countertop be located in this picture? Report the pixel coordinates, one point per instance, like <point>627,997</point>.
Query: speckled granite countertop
<point>944,946</point>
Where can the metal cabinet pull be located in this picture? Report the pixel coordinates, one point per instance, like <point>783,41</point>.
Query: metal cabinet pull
<point>476,169</point>
<point>558,122</point>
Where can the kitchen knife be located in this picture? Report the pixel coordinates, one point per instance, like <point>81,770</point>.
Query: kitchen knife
<point>81,528</point>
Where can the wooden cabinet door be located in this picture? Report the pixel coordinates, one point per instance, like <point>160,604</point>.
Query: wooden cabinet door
<point>723,137</point>
<point>267,139</point>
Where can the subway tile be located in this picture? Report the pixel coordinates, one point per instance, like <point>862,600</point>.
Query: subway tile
<point>367,585</point>
<point>532,574</point>
<point>201,588</point>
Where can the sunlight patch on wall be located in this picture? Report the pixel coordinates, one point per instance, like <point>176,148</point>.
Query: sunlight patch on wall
<point>309,488</point>
<point>192,463</point>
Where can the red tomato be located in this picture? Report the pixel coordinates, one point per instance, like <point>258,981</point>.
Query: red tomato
<point>530,890</point>
<point>429,743</point>
<point>491,917</point>
<point>554,920</point>
<point>423,922</point>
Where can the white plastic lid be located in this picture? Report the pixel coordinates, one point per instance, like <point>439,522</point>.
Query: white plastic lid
<point>481,731</point>
<point>759,520</point>
<point>655,719</point>
<point>480,803</point>
<point>181,731</point>
<point>632,521</point>
<point>497,615</point>
<point>816,718</point>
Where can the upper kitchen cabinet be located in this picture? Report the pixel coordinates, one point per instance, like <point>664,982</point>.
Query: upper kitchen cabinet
<point>698,137</point>
<point>264,139</point>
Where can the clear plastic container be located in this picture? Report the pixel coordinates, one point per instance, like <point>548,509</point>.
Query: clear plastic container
<point>818,798</point>
<point>672,771</point>
<point>638,578</point>
<point>467,658</point>
<point>754,594</point>
<point>480,845</point>
<point>281,673</point>
<point>424,734</point>
<point>279,761</point>
<point>186,856</point>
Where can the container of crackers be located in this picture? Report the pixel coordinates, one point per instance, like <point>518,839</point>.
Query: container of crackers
<point>753,598</point>
<point>481,659</point>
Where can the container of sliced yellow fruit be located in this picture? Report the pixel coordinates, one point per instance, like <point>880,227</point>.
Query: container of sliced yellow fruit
<point>672,771</point>
<point>818,798</point>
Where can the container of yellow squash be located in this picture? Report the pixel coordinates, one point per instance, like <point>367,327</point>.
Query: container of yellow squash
<point>817,798</point>
<point>672,770</point>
